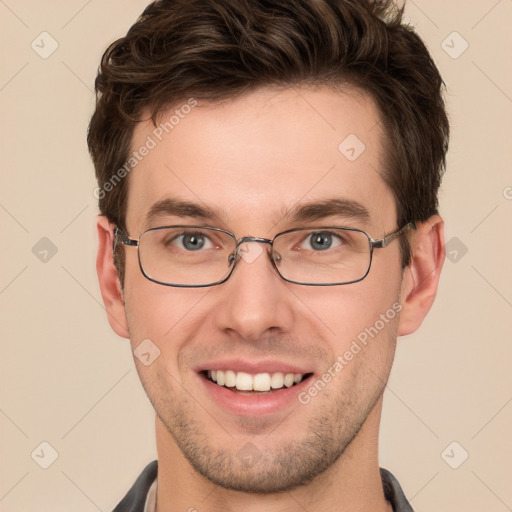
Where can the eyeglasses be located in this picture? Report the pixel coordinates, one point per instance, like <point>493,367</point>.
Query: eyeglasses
<point>199,256</point>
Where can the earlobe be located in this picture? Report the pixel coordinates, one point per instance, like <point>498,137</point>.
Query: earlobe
<point>108,278</point>
<point>421,277</point>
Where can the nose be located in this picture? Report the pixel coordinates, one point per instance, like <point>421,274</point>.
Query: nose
<point>255,301</point>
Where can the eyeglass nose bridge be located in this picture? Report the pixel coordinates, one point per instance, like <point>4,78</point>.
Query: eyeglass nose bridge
<point>244,239</point>
<point>274,257</point>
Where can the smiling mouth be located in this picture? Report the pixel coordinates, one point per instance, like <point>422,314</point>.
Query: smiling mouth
<point>260,383</point>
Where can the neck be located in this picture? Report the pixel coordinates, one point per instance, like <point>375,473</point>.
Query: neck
<point>351,484</point>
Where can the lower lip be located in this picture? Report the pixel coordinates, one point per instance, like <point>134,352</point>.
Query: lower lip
<point>254,404</point>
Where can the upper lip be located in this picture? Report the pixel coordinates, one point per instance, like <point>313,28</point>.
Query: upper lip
<point>253,367</point>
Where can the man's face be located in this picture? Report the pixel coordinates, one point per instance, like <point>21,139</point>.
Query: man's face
<point>252,160</point>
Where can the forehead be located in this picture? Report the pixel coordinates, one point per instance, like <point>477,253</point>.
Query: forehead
<point>255,158</point>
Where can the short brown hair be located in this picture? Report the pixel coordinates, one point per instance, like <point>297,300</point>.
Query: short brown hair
<point>214,50</point>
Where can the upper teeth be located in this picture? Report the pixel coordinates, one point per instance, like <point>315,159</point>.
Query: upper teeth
<point>259,382</point>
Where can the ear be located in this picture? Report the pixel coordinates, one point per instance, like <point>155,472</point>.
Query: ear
<point>108,277</point>
<point>421,277</point>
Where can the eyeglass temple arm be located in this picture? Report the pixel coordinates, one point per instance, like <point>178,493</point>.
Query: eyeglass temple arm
<point>384,242</point>
<point>122,238</point>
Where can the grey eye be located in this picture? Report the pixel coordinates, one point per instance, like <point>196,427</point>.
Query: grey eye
<point>193,241</point>
<point>189,241</point>
<point>321,240</point>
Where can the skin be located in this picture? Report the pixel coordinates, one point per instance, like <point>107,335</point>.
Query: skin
<point>251,159</point>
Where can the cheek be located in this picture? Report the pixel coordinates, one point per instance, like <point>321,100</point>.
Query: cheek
<point>344,312</point>
<point>359,323</point>
<point>160,313</point>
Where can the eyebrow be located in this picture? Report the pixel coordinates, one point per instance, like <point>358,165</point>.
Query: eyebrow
<point>334,207</point>
<point>179,208</point>
<point>306,212</point>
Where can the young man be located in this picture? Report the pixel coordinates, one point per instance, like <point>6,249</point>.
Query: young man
<point>267,180</point>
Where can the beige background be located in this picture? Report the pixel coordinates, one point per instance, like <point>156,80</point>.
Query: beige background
<point>66,379</point>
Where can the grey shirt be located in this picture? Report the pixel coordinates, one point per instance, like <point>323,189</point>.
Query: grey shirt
<point>141,497</point>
